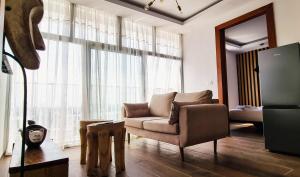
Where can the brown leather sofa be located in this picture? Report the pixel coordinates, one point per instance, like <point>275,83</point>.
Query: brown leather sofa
<point>198,123</point>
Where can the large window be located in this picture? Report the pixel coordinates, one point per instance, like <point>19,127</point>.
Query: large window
<point>89,69</point>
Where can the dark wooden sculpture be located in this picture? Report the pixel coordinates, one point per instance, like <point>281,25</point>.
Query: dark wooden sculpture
<point>21,30</point>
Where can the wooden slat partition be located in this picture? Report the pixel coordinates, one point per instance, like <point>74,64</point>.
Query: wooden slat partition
<point>248,79</point>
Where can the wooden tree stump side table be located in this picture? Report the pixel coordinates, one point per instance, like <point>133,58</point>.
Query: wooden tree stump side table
<point>99,146</point>
<point>83,138</point>
<point>119,141</point>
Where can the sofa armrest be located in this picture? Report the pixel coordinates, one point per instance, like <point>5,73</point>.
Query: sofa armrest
<point>202,123</point>
<point>123,112</point>
<point>134,110</point>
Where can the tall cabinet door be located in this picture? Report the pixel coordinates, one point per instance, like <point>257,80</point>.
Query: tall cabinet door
<point>282,130</point>
<point>279,72</point>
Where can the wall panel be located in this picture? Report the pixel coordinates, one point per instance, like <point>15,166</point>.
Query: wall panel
<point>248,79</point>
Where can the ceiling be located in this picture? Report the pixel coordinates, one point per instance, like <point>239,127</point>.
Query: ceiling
<point>169,7</point>
<point>247,36</point>
<point>209,15</point>
<point>162,9</point>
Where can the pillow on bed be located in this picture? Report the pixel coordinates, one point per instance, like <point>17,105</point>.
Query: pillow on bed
<point>246,107</point>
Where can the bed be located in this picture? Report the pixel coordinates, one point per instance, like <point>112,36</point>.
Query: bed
<point>247,114</point>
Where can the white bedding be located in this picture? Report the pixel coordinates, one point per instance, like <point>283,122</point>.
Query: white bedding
<point>246,115</point>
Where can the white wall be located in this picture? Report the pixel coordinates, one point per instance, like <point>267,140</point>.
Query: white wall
<point>199,37</point>
<point>232,80</point>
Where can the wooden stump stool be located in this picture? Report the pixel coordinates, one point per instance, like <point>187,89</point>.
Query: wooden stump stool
<point>99,146</point>
<point>83,137</point>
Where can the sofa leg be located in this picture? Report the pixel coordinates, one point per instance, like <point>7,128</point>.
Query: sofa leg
<point>215,146</point>
<point>181,153</point>
<point>128,136</point>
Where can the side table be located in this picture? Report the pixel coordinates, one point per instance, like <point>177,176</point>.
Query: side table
<point>98,141</point>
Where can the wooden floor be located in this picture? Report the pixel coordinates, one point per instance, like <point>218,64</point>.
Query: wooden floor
<point>241,155</point>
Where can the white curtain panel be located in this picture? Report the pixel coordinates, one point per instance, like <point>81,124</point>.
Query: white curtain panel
<point>136,35</point>
<point>57,17</point>
<point>168,43</point>
<point>95,25</point>
<point>163,75</point>
<point>163,71</point>
<point>116,78</point>
<point>4,111</point>
<point>54,93</point>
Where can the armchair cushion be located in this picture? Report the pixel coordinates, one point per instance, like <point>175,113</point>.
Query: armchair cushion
<point>203,97</point>
<point>160,104</point>
<point>136,110</point>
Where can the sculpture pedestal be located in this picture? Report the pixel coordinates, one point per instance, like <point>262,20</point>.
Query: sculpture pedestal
<point>45,161</point>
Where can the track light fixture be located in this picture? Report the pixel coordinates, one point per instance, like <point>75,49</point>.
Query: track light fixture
<point>149,4</point>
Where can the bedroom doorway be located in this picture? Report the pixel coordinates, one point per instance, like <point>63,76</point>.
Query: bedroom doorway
<point>242,44</point>
<point>267,12</point>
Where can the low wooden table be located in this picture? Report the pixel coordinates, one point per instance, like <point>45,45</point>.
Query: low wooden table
<point>98,138</point>
<point>46,161</point>
<point>83,137</point>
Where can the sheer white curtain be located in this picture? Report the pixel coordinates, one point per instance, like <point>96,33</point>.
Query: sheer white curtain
<point>54,93</point>
<point>116,76</point>
<point>4,111</point>
<point>55,89</point>
<point>163,75</point>
<point>168,43</point>
<point>95,25</point>
<point>163,71</point>
<point>57,17</point>
<point>136,36</point>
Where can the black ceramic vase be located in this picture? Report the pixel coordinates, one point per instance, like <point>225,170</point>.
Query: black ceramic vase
<point>34,135</point>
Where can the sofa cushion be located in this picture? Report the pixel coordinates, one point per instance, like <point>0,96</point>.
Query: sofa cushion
<point>174,115</point>
<point>160,105</point>
<point>138,122</point>
<point>162,126</point>
<point>136,110</point>
<point>203,97</point>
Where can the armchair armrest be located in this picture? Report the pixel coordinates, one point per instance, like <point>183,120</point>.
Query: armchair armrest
<point>202,123</point>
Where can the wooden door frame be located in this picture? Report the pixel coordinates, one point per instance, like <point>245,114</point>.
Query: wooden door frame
<point>220,44</point>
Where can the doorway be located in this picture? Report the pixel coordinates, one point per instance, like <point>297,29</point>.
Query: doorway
<point>266,11</point>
